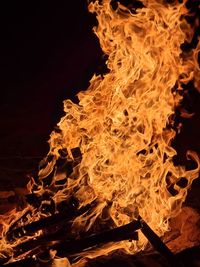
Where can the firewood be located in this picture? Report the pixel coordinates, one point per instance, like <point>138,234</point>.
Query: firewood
<point>125,232</point>
<point>71,247</point>
<point>47,222</point>
<point>158,245</point>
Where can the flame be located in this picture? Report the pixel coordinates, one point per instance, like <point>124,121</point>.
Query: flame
<point>123,124</point>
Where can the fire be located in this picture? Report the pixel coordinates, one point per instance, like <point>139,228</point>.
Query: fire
<point>123,125</point>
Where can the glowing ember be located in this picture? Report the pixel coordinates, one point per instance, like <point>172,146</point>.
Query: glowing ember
<point>123,126</point>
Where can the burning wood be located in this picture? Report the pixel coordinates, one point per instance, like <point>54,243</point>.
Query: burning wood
<point>66,248</point>
<point>37,249</point>
<point>114,148</point>
<point>56,220</point>
<point>74,246</point>
<point>158,244</point>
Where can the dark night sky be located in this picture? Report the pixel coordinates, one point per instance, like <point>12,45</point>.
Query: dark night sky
<point>47,54</point>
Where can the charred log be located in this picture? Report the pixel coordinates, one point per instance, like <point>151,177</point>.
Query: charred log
<point>39,249</point>
<point>158,245</point>
<point>47,222</point>
<point>125,232</point>
<point>71,247</point>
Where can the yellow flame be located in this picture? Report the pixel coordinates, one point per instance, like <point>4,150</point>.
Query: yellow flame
<point>128,112</point>
<point>122,122</point>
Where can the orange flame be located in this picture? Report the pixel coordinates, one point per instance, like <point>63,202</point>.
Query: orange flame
<point>122,122</point>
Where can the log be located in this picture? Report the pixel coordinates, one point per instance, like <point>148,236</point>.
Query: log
<point>45,223</point>
<point>158,245</point>
<point>124,232</point>
<point>71,247</point>
<point>66,248</point>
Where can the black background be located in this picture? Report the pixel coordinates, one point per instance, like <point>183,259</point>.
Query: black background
<point>48,53</point>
